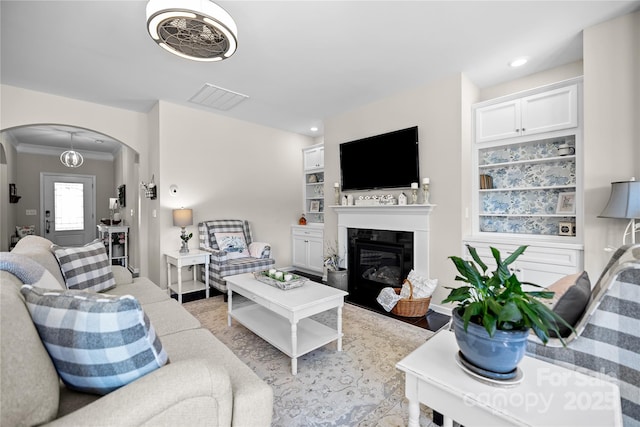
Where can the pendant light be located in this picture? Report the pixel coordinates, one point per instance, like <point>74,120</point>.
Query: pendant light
<point>71,158</point>
<point>194,29</point>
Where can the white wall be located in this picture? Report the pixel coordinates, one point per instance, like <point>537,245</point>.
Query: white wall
<point>21,107</point>
<point>441,111</point>
<point>226,168</point>
<point>612,127</point>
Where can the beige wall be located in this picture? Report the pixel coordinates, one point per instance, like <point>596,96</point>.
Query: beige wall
<point>441,112</point>
<point>27,179</point>
<point>612,127</point>
<point>227,168</point>
<point>223,167</point>
<point>7,176</point>
<point>554,75</point>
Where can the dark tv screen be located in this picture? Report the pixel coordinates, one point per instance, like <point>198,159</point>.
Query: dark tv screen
<point>389,160</point>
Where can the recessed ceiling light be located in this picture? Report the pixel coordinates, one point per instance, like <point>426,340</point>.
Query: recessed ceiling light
<point>314,129</point>
<point>518,62</point>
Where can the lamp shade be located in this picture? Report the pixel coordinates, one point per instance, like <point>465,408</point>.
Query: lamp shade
<point>624,201</point>
<point>182,217</point>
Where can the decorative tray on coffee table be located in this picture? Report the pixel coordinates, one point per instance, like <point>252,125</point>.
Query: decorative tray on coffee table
<point>273,279</point>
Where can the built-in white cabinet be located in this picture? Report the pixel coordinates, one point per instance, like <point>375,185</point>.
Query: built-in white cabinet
<point>527,186</point>
<point>308,247</point>
<point>313,185</point>
<point>313,158</point>
<point>541,264</point>
<point>538,113</point>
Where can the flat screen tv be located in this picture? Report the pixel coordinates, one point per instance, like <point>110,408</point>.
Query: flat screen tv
<point>389,160</point>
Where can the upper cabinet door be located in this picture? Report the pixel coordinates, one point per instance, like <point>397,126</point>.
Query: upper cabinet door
<point>548,111</point>
<point>314,158</point>
<point>498,121</point>
<point>543,112</point>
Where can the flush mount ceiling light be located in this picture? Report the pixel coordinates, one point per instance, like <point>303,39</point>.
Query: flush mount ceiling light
<point>194,29</point>
<point>71,158</point>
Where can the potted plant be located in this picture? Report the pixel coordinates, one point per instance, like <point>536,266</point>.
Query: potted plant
<point>336,274</point>
<point>494,315</point>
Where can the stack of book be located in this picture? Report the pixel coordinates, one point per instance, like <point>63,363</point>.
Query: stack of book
<point>486,182</point>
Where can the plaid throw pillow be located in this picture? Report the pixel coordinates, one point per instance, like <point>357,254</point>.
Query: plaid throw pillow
<point>97,342</point>
<point>85,267</point>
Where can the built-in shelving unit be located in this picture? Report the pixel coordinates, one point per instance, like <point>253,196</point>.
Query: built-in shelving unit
<point>527,186</point>
<point>313,189</point>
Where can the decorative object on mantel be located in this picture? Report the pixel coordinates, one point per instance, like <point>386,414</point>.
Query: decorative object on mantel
<point>71,158</point>
<point>402,199</point>
<point>336,193</point>
<point>150,189</point>
<point>414,193</point>
<point>13,194</point>
<point>375,200</point>
<point>425,190</point>
<point>624,203</point>
<point>493,314</point>
<point>181,218</point>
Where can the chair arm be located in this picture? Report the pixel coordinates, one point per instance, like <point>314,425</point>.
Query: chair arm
<point>217,256</point>
<point>188,392</point>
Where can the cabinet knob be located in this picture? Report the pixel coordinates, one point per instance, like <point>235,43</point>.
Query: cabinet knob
<point>523,129</point>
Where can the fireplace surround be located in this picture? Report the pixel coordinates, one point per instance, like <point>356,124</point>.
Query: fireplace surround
<point>383,221</point>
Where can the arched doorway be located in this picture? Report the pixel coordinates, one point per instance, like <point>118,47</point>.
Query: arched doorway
<point>36,148</point>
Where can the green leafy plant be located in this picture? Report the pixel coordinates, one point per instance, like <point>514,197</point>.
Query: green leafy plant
<point>185,237</point>
<point>496,301</point>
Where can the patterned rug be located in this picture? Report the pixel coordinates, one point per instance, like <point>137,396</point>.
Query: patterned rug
<point>359,386</point>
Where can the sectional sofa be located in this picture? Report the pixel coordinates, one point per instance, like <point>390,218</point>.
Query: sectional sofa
<point>203,383</point>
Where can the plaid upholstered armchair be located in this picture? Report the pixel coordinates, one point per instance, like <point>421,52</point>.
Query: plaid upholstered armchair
<point>233,250</point>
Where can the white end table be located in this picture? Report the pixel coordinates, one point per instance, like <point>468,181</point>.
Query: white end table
<point>548,394</point>
<point>193,257</point>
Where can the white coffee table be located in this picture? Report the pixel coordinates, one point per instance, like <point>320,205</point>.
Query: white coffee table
<point>282,317</point>
<point>548,394</point>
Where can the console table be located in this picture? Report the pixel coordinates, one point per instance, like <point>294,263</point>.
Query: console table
<point>119,252</point>
<point>547,395</point>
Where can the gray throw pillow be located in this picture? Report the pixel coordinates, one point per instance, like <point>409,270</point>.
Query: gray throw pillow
<point>97,342</point>
<point>572,299</point>
<point>85,267</point>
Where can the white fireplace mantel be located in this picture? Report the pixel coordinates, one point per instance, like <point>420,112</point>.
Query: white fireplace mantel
<point>411,218</point>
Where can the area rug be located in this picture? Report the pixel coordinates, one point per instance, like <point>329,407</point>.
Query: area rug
<point>359,386</point>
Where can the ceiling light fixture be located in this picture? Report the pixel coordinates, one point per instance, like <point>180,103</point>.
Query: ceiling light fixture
<point>518,62</point>
<point>194,29</point>
<point>71,158</point>
<point>314,129</point>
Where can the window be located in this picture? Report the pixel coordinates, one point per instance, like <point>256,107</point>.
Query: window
<point>68,206</point>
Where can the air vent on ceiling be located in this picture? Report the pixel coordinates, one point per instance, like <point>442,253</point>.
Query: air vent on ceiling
<point>216,97</point>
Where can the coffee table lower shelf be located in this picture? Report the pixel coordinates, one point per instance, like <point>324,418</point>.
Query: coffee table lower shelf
<point>306,336</point>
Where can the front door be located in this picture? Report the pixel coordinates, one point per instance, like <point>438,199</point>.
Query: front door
<point>67,211</point>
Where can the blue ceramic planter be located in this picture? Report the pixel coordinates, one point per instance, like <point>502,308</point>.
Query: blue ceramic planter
<point>500,353</point>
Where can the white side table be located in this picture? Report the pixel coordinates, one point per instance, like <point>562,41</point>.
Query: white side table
<point>193,257</point>
<point>548,394</point>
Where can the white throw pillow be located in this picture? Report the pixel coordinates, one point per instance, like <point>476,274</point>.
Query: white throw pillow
<point>233,244</point>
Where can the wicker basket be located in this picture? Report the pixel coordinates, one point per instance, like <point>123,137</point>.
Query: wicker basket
<point>411,307</point>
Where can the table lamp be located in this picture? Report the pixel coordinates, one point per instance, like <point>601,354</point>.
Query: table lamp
<point>182,218</point>
<point>624,202</point>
